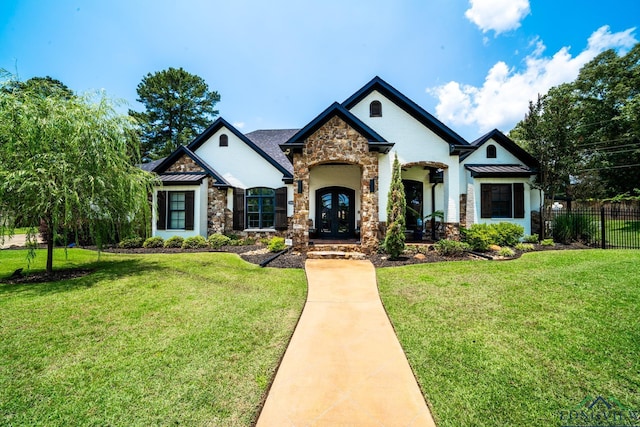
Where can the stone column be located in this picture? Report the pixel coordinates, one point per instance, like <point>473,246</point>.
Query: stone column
<point>299,222</point>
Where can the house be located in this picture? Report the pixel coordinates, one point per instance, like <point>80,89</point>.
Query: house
<point>329,179</point>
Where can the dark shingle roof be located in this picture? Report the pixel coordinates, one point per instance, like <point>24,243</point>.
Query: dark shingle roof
<point>149,167</point>
<point>269,141</point>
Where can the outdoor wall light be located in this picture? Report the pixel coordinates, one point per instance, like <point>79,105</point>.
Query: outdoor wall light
<point>372,185</point>
<point>299,186</point>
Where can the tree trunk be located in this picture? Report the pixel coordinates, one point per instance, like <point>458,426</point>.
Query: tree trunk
<point>50,254</point>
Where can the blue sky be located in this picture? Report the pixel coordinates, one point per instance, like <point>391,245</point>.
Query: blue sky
<point>473,63</point>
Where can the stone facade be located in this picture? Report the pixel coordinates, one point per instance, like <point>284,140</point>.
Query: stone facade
<point>216,209</point>
<point>185,164</point>
<point>336,142</point>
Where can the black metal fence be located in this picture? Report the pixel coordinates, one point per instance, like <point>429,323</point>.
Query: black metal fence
<point>604,227</point>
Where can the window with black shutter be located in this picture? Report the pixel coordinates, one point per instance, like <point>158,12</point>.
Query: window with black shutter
<point>502,200</point>
<point>175,210</point>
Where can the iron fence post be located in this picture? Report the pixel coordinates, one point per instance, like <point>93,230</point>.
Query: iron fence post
<point>603,233</point>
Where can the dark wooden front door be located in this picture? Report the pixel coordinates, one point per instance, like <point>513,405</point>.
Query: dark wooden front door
<point>335,212</point>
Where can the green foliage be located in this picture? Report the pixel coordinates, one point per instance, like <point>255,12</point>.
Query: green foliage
<point>573,227</point>
<point>174,242</point>
<point>524,247</point>
<point>131,243</point>
<point>451,248</point>
<point>154,242</point>
<point>276,244</point>
<point>508,233</point>
<point>216,241</point>
<point>178,107</point>
<point>506,252</point>
<point>68,161</point>
<point>396,210</point>
<point>195,242</point>
<point>547,242</point>
<point>533,238</point>
<point>480,236</point>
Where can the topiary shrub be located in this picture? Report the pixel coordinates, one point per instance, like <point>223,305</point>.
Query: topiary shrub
<point>216,241</point>
<point>533,238</point>
<point>153,242</point>
<point>131,243</point>
<point>195,242</point>
<point>276,244</point>
<point>508,233</point>
<point>451,248</point>
<point>480,236</point>
<point>174,242</point>
<point>396,210</point>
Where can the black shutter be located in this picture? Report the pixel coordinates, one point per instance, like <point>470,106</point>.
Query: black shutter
<point>238,209</point>
<point>188,210</point>
<point>161,210</point>
<point>281,208</point>
<point>485,200</point>
<point>518,200</point>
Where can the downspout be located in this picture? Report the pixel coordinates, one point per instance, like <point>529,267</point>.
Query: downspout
<point>433,210</point>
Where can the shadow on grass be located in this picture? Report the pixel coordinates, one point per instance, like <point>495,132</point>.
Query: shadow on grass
<point>100,271</point>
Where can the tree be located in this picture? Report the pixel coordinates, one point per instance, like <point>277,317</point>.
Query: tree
<point>178,106</point>
<point>547,133</point>
<point>396,211</point>
<point>65,162</point>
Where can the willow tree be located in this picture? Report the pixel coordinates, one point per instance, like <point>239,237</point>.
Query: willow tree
<point>65,162</point>
<point>396,211</point>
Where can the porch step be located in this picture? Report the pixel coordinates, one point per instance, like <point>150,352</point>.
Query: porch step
<point>335,255</point>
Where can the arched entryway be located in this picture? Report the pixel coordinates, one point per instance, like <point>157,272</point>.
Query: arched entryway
<point>335,212</point>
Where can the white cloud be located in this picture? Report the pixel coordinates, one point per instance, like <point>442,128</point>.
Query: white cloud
<point>238,125</point>
<point>497,15</point>
<point>504,97</point>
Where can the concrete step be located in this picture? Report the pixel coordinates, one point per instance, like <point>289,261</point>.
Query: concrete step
<point>335,255</point>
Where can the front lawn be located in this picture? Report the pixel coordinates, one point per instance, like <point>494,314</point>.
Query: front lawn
<point>180,339</point>
<point>522,342</point>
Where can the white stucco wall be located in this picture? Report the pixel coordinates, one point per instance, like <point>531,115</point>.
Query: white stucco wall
<point>199,211</point>
<point>413,142</point>
<point>238,163</point>
<point>479,157</point>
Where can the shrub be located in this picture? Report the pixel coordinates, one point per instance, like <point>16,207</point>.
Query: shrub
<point>276,244</point>
<point>248,241</point>
<point>153,242</point>
<point>216,241</point>
<point>131,243</point>
<point>174,242</point>
<point>396,210</point>
<point>524,247</point>
<point>533,238</point>
<point>195,242</point>
<point>453,248</point>
<point>570,227</point>
<point>480,236</point>
<point>506,252</point>
<point>508,233</point>
<point>547,242</point>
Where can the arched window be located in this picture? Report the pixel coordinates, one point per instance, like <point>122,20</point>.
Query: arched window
<point>224,140</point>
<point>491,151</point>
<point>375,109</point>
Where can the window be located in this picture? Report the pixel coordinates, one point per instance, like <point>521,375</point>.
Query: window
<point>175,210</point>
<point>502,200</point>
<point>491,152</point>
<point>375,109</point>
<point>224,140</point>
<point>261,207</point>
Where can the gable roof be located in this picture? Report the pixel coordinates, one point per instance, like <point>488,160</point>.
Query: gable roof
<point>376,142</point>
<point>410,107</point>
<point>182,150</point>
<point>285,167</point>
<point>269,141</point>
<point>507,144</point>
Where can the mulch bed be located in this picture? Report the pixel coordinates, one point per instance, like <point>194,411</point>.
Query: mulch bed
<point>258,254</point>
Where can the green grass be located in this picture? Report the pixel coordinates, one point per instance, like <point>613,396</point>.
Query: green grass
<point>191,339</point>
<point>515,343</point>
<point>622,233</point>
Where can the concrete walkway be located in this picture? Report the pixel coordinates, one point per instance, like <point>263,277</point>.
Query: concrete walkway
<point>344,365</point>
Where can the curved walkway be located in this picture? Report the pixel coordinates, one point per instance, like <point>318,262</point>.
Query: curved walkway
<point>344,364</point>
